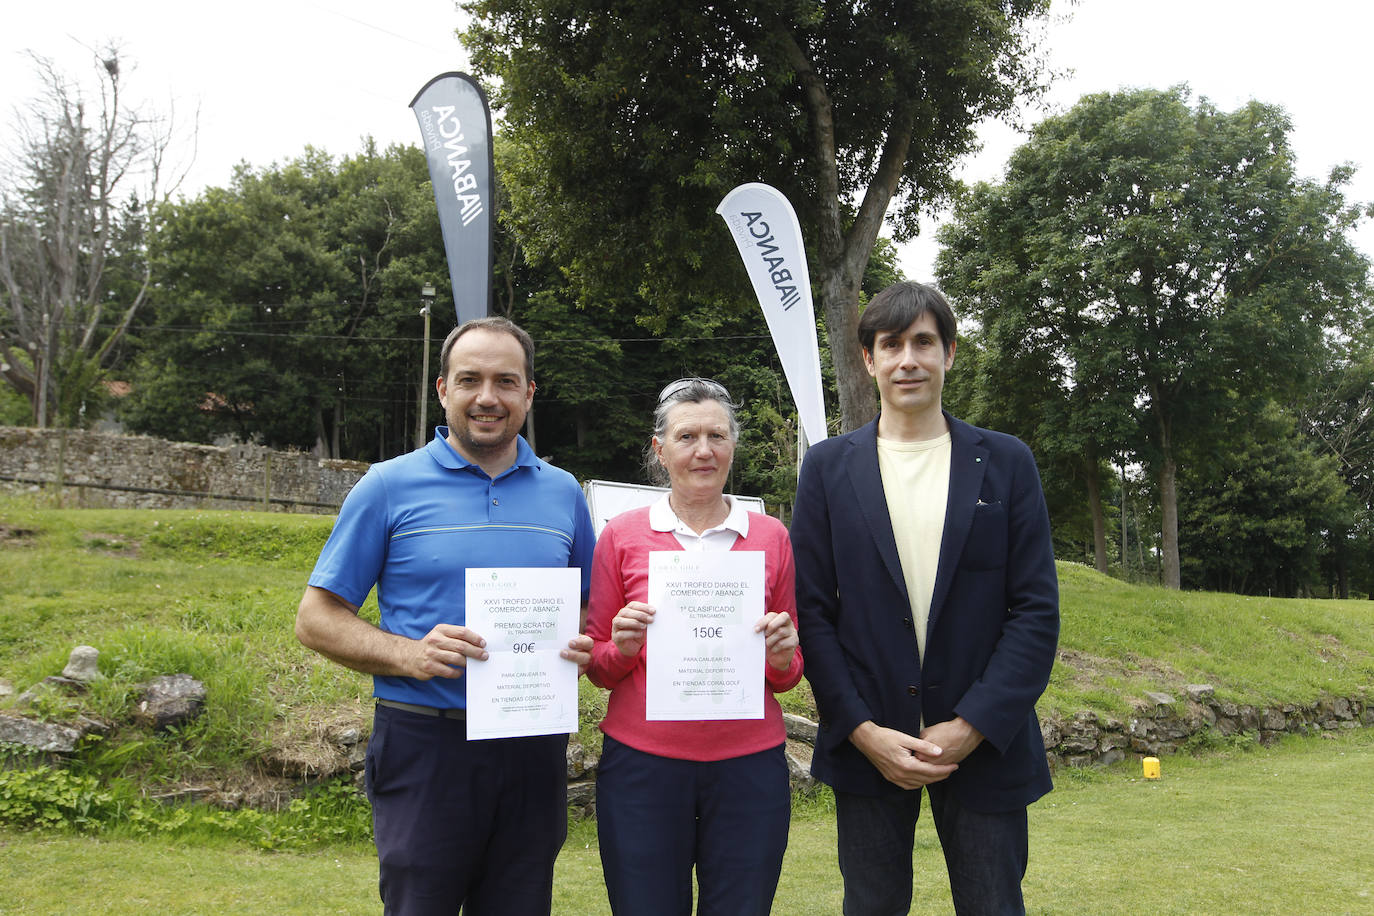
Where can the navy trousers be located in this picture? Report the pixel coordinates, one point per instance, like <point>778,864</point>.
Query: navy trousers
<point>464,824</point>
<point>985,854</point>
<point>657,817</point>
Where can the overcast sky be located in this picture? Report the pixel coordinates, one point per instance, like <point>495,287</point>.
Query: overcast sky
<point>270,77</point>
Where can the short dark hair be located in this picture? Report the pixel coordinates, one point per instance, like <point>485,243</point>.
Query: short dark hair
<point>895,308</point>
<point>490,323</point>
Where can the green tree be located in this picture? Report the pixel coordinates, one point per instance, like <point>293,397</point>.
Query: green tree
<point>599,373</point>
<point>600,364</point>
<point>1338,412</point>
<point>590,364</point>
<point>636,118</point>
<point>287,307</point>
<point>1258,512</point>
<point>1166,255</point>
<point>1044,397</point>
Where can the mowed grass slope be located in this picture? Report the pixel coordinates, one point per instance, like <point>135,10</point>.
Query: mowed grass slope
<point>213,594</point>
<point>1118,640</point>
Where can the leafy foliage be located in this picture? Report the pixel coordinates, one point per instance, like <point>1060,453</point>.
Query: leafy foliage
<point>1260,511</point>
<point>1147,270</point>
<point>1338,413</point>
<point>634,119</point>
<point>286,309</point>
<point>284,315</point>
<point>48,798</point>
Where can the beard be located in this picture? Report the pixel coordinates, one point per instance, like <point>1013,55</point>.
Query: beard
<point>484,442</point>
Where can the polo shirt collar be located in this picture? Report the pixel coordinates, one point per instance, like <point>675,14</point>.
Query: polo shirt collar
<point>663,518</point>
<point>447,456</point>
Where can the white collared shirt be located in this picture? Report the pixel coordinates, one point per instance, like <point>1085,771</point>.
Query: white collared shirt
<point>721,537</point>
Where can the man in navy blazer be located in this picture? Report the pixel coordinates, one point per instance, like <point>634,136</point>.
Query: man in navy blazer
<point>929,616</point>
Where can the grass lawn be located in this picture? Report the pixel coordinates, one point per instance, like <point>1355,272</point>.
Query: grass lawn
<point>213,594</point>
<point>1269,830</point>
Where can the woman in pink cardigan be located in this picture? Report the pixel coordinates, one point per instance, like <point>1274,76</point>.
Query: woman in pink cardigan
<point>673,795</point>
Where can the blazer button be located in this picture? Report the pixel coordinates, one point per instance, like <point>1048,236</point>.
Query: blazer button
<point>906,622</point>
<point>914,690</point>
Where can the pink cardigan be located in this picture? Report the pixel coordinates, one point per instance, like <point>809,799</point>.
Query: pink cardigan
<point>620,574</point>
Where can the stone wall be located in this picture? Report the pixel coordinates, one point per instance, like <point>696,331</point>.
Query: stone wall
<point>1160,725</point>
<point>333,745</point>
<point>83,469</point>
<point>1163,724</point>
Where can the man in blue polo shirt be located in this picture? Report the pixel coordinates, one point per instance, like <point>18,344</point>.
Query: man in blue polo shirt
<point>464,824</point>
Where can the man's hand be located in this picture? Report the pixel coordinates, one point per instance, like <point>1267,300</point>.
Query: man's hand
<point>903,760</point>
<point>444,652</point>
<point>956,738</point>
<point>780,638</point>
<point>579,651</point>
<point>331,626</point>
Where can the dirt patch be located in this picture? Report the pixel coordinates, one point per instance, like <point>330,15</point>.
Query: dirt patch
<point>242,789</point>
<point>319,742</point>
<point>11,536</point>
<point>1094,671</point>
<point>1331,649</point>
<point>112,545</point>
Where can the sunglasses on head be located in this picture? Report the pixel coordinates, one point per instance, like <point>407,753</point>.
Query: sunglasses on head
<point>714,388</point>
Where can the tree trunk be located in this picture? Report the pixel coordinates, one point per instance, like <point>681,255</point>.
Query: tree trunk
<point>844,252</point>
<point>1125,524</point>
<point>1099,521</point>
<point>1168,489</point>
<point>1168,511</point>
<point>321,449</point>
<point>1340,539</point>
<point>840,305</point>
<point>1139,542</point>
<point>43,393</point>
<point>40,397</point>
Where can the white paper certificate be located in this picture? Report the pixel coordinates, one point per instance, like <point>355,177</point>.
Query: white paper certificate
<point>703,658</point>
<point>526,616</point>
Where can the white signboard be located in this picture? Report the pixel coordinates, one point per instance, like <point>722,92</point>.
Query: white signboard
<point>606,500</point>
<point>705,660</point>
<point>527,615</point>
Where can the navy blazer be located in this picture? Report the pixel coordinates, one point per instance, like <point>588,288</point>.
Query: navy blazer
<point>994,615</point>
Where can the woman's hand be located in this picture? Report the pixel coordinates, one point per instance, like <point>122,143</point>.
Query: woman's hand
<point>630,626</point>
<point>780,638</point>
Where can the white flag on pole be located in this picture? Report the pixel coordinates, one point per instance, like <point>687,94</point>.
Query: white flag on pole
<point>768,236</point>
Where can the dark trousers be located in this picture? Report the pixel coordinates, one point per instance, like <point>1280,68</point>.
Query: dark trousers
<point>985,854</point>
<point>458,823</point>
<point>657,817</point>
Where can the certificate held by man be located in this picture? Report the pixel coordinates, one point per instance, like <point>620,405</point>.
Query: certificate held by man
<point>704,659</point>
<point>526,616</point>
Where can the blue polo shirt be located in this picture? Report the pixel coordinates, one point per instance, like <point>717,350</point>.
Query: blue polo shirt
<point>412,526</point>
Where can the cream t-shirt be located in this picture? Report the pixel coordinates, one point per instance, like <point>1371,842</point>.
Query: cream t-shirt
<point>916,483</point>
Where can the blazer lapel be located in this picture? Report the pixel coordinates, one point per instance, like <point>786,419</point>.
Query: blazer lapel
<point>967,464</point>
<point>868,488</point>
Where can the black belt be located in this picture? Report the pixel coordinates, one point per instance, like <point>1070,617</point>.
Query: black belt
<point>425,710</point>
